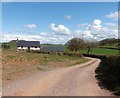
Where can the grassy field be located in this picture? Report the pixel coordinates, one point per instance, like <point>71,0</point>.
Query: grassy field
<point>99,51</point>
<point>94,50</point>
<point>110,46</point>
<point>106,51</point>
<point>17,64</point>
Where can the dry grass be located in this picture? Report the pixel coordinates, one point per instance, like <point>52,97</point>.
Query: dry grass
<point>17,64</point>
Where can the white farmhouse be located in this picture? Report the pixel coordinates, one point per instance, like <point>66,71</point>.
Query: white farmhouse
<point>28,45</point>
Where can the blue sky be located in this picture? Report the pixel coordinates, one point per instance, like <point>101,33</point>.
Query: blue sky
<point>58,21</point>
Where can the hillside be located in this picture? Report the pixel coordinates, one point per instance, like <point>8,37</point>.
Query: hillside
<point>111,43</point>
<point>9,45</point>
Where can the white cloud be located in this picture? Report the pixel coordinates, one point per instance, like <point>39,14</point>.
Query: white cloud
<point>8,37</point>
<point>69,17</point>
<point>113,15</point>
<point>60,29</point>
<point>96,24</point>
<point>61,34</point>
<point>111,24</point>
<point>87,33</point>
<point>97,31</point>
<point>43,37</point>
<point>30,26</point>
<point>77,31</point>
<point>83,26</point>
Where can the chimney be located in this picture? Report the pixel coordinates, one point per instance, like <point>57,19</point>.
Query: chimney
<point>17,40</point>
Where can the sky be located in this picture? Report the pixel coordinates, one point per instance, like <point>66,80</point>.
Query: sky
<point>60,0</point>
<point>58,22</point>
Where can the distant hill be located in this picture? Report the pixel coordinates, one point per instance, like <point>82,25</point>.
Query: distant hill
<point>9,45</point>
<point>16,40</point>
<point>110,43</point>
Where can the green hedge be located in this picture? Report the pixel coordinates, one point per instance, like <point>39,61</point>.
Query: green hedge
<point>73,54</point>
<point>100,56</point>
<point>108,73</point>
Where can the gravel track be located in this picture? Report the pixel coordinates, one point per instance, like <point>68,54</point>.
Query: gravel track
<point>77,80</point>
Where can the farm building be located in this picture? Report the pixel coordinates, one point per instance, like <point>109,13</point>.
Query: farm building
<point>28,45</point>
<point>54,48</point>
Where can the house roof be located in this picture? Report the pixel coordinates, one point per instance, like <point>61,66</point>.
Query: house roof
<point>52,48</point>
<point>28,43</point>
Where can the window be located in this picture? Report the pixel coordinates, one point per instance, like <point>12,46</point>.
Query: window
<point>35,46</point>
<point>28,48</point>
<point>21,46</point>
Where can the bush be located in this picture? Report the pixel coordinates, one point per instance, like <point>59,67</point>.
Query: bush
<point>5,46</point>
<point>108,73</point>
<point>73,54</point>
<point>100,56</point>
<point>75,44</point>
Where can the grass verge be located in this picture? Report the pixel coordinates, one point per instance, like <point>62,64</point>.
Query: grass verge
<point>17,64</point>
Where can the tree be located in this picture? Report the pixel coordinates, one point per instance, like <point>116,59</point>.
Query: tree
<point>91,45</point>
<point>5,46</point>
<point>75,44</point>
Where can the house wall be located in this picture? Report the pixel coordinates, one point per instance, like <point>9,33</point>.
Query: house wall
<point>25,48</point>
<point>32,48</point>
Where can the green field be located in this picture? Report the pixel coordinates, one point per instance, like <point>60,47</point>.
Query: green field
<point>94,50</point>
<point>98,51</point>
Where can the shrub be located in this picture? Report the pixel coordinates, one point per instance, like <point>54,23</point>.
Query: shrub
<point>5,46</point>
<point>108,73</point>
<point>75,44</point>
<point>100,56</point>
<point>73,54</point>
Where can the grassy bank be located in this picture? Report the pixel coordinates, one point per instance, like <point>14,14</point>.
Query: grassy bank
<point>16,64</point>
<point>108,73</point>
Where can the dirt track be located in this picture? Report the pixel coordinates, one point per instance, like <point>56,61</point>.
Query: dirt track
<point>70,81</point>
